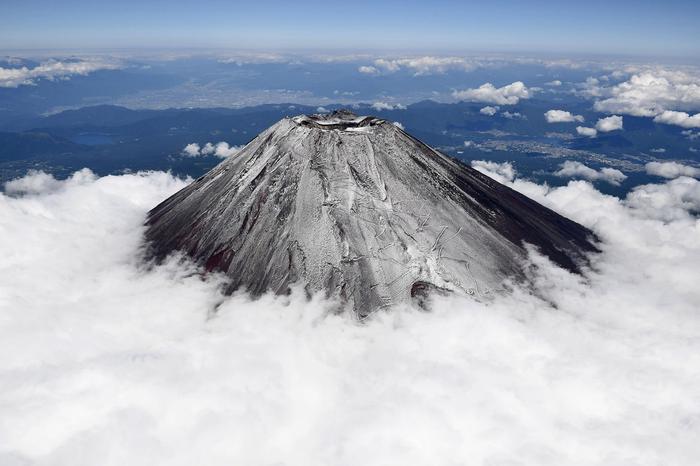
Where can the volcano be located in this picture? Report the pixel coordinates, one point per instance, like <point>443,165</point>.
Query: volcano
<point>356,208</point>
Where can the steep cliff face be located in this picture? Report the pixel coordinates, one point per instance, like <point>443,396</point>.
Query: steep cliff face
<point>356,207</point>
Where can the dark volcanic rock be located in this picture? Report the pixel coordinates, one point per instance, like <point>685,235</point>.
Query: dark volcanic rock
<point>355,207</point>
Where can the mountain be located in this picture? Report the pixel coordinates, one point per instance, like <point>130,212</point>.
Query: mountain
<point>355,207</point>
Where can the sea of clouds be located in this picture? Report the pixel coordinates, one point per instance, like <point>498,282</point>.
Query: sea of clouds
<point>104,360</point>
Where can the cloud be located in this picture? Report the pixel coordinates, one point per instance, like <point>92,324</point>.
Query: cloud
<point>192,150</point>
<point>651,93</point>
<point>611,123</point>
<point>590,87</point>
<point>390,66</point>
<point>667,202</point>
<point>220,149</point>
<point>127,364</point>
<point>671,169</point>
<point>256,58</point>
<point>691,135</point>
<point>585,131</point>
<point>570,169</point>
<point>53,70</point>
<point>431,64</point>
<point>681,119</point>
<point>368,70</point>
<point>322,110</point>
<point>39,182</point>
<point>555,83</point>
<point>379,106</point>
<point>501,172</point>
<point>420,66</point>
<point>399,125</point>
<point>488,93</point>
<point>561,116</point>
<point>513,115</point>
<point>489,110</point>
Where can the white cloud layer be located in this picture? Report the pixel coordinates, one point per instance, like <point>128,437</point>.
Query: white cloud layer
<point>105,361</point>
<point>571,169</point>
<point>671,169</point>
<point>488,93</point>
<point>611,123</point>
<point>489,110</point>
<point>561,116</point>
<point>53,70</point>
<point>220,149</point>
<point>668,202</point>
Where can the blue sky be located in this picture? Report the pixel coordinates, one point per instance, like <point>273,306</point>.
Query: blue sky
<point>667,28</point>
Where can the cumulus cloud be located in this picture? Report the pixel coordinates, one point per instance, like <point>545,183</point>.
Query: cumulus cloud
<point>585,131</point>
<point>53,70</point>
<point>611,123</point>
<point>571,169</point>
<point>489,110</point>
<point>667,202</point>
<point>379,106</point>
<point>682,119</point>
<point>322,110</point>
<point>220,149</point>
<point>691,135</point>
<point>39,182</point>
<point>555,83</point>
<point>561,116</point>
<point>126,364</point>
<point>368,70</point>
<point>389,66</point>
<point>513,115</point>
<point>501,172</point>
<point>399,125</point>
<point>590,87</point>
<point>651,93</point>
<point>192,150</point>
<point>671,169</point>
<point>488,93</point>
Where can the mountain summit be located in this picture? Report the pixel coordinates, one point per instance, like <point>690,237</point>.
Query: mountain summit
<point>355,207</point>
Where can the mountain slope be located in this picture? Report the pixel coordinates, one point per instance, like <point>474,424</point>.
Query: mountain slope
<point>355,207</point>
